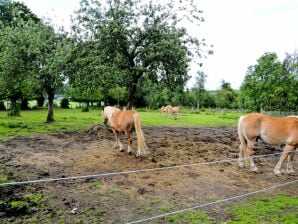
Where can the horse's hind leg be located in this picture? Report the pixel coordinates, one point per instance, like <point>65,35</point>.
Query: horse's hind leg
<point>129,140</point>
<point>286,152</point>
<point>240,159</point>
<point>250,152</point>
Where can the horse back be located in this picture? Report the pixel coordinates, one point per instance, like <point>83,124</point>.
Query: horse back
<point>274,130</point>
<point>123,120</point>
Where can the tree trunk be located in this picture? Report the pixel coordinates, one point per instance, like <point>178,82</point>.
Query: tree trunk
<point>14,109</point>
<point>132,94</point>
<point>24,104</point>
<point>133,89</point>
<point>50,117</point>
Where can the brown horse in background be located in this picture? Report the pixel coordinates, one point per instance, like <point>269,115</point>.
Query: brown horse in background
<point>272,130</point>
<point>125,121</point>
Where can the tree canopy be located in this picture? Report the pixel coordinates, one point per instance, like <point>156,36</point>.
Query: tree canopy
<point>271,84</point>
<point>137,39</point>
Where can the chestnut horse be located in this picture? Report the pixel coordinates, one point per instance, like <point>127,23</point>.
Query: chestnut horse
<point>272,130</point>
<point>125,121</point>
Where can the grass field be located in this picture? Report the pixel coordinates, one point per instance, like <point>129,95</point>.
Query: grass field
<point>33,121</point>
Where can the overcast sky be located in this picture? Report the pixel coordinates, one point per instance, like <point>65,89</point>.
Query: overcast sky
<point>241,31</point>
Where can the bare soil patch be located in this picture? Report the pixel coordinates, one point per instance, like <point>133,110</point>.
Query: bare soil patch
<point>123,198</point>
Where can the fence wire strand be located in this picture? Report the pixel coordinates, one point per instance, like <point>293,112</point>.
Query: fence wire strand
<point>92,176</point>
<point>213,203</point>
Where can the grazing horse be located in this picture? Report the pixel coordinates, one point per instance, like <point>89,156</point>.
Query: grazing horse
<point>175,111</point>
<point>272,130</point>
<point>125,121</point>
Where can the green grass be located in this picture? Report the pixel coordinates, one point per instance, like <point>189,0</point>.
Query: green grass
<point>271,210</point>
<point>191,119</point>
<point>33,121</point>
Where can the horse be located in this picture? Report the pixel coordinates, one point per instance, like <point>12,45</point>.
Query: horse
<point>175,111</point>
<point>125,121</point>
<point>162,109</point>
<point>272,130</point>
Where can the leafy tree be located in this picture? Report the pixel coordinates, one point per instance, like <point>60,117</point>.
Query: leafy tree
<point>89,77</point>
<point>11,12</point>
<point>270,84</point>
<point>16,65</point>
<point>52,50</point>
<point>226,97</point>
<point>199,88</point>
<point>141,39</point>
<point>290,71</point>
<point>16,53</point>
<point>118,93</point>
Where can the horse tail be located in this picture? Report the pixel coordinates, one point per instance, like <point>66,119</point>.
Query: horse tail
<point>242,139</point>
<point>140,136</point>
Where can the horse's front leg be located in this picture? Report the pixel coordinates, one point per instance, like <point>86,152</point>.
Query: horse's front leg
<point>118,143</point>
<point>129,140</point>
<point>286,152</point>
<point>290,167</point>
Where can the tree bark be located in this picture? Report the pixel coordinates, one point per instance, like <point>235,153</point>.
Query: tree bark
<point>50,117</point>
<point>131,97</point>
<point>14,109</point>
<point>133,89</point>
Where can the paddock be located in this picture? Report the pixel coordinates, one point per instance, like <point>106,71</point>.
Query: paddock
<point>133,196</point>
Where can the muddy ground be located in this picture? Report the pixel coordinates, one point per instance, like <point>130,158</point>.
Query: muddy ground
<point>129,197</point>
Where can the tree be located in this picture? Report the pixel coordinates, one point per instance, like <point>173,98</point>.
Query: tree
<point>141,40</point>
<point>118,93</point>
<point>199,87</point>
<point>226,96</point>
<point>16,65</point>
<point>89,76</point>
<point>270,84</point>
<point>52,50</point>
<point>16,53</point>
<point>11,12</point>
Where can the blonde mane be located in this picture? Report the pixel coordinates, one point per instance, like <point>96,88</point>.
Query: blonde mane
<point>107,113</point>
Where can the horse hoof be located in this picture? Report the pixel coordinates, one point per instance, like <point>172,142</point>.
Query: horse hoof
<point>291,173</point>
<point>254,169</point>
<point>241,165</point>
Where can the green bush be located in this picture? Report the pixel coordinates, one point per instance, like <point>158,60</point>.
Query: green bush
<point>2,106</point>
<point>64,103</point>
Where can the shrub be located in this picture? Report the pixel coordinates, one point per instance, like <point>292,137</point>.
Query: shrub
<point>64,103</point>
<point>2,106</point>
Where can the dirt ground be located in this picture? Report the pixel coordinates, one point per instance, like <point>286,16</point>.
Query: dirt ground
<point>129,197</point>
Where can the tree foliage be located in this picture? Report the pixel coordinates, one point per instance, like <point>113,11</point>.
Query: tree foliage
<point>140,39</point>
<point>17,53</point>
<point>270,84</point>
<point>226,97</point>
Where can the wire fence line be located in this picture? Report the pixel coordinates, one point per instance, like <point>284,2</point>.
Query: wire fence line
<point>213,203</point>
<point>92,176</point>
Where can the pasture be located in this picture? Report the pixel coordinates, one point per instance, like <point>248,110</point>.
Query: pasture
<point>31,149</point>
